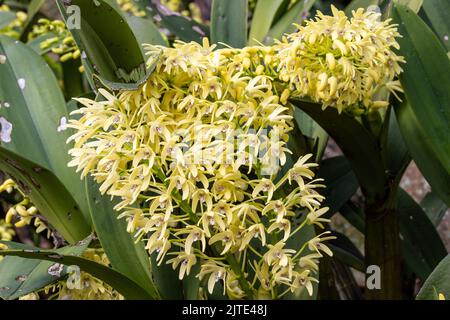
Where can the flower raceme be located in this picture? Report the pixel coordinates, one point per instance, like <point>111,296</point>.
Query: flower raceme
<point>340,62</point>
<point>195,154</point>
<point>60,41</point>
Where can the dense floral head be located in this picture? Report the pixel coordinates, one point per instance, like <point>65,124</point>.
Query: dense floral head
<point>196,153</point>
<point>342,62</point>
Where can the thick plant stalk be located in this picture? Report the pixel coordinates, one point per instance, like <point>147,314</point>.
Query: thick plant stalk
<point>382,247</point>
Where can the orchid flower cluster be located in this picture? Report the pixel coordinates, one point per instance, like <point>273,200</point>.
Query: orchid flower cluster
<point>343,63</point>
<point>7,233</point>
<point>61,43</point>
<point>198,154</point>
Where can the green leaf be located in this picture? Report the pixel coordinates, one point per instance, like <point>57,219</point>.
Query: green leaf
<point>6,17</point>
<point>112,85</point>
<point>72,78</point>
<point>357,143</point>
<point>263,17</point>
<point>107,40</point>
<point>394,151</point>
<point>35,112</point>
<point>125,286</point>
<point>297,14</point>
<point>229,22</point>
<point>434,207</point>
<point>356,4</point>
<point>341,183</point>
<point>145,31</point>
<point>166,280</point>
<point>20,276</point>
<point>414,5</point>
<point>419,148</point>
<point>424,118</point>
<point>126,256</point>
<point>437,282</point>
<point>437,12</point>
<point>183,28</point>
<point>191,284</point>
<point>422,246</point>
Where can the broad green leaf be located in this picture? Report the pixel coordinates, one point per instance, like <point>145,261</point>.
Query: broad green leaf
<point>297,14</point>
<point>36,132</point>
<point>229,22</point>
<point>437,12</point>
<point>414,5</point>
<point>145,31</point>
<point>35,110</point>
<point>20,276</point>
<point>420,149</point>
<point>125,286</point>
<point>6,17</point>
<point>107,40</point>
<point>394,151</point>
<point>72,78</point>
<point>263,17</point>
<point>356,4</point>
<point>422,246</point>
<point>434,207</point>
<point>437,283</point>
<point>425,117</point>
<point>183,28</point>
<point>357,144</point>
<point>191,284</point>
<point>126,256</point>
<point>166,280</point>
<point>111,85</point>
<point>340,181</point>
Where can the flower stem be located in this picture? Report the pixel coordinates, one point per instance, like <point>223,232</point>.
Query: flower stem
<point>235,266</point>
<point>382,247</point>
